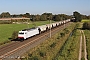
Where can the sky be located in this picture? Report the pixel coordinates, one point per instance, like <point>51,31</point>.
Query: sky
<point>42,6</point>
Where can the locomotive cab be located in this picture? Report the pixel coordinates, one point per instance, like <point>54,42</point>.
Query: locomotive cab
<point>22,35</point>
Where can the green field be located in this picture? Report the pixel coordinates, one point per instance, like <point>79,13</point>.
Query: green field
<point>85,20</point>
<point>6,30</point>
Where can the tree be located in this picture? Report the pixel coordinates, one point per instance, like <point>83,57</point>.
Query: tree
<point>56,18</point>
<point>63,16</point>
<point>14,34</point>
<point>0,16</point>
<point>37,17</point>
<point>21,15</point>
<point>77,16</point>
<point>84,17</point>
<point>43,17</point>
<point>32,17</point>
<point>89,16</point>
<point>27,15</point>
<point>48,16</point>
<point>5,15</point>
<point>16,16</point>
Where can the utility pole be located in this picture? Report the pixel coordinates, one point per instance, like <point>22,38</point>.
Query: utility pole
<point>50,28</point>
<point>27,24</point>
<point>64,23</point>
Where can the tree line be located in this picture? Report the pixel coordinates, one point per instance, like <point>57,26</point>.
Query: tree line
<point>47,16</point>
<point>42,17</point>
<point>78,17</point>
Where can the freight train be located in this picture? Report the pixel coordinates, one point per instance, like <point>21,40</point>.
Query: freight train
<point>27,33</point>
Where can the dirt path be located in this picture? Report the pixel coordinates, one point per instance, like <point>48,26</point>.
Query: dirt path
<point>80,50</point>
<point>85,51</point>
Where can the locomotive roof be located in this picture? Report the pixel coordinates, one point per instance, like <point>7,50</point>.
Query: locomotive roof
<point>29,29</point>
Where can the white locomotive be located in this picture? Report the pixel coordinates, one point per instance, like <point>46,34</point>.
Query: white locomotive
<point>27,33</point>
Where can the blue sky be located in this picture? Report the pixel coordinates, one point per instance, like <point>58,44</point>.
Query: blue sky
<point>41,6</point>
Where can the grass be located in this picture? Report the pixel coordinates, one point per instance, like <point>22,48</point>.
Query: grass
<point>70,49</point>
<point>6,30</point>
<point>86,20</point>
<point>49,48</point>
<point>87,35</point>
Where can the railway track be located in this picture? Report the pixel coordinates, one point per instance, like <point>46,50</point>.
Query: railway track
<point>15,49</point>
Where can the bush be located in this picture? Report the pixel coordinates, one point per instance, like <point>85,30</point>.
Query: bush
<point>1,43</point>
<point>5,22</point>
<point>86,25</point>
<point>30,55</point>
<point>14,34</point>
<point>53,45</point>
<point>66,30</point>
<point>42,53</point>
<point>4,42</point>
<point>58,37</point>
<point>34,58</point>
<point>62,34</point>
